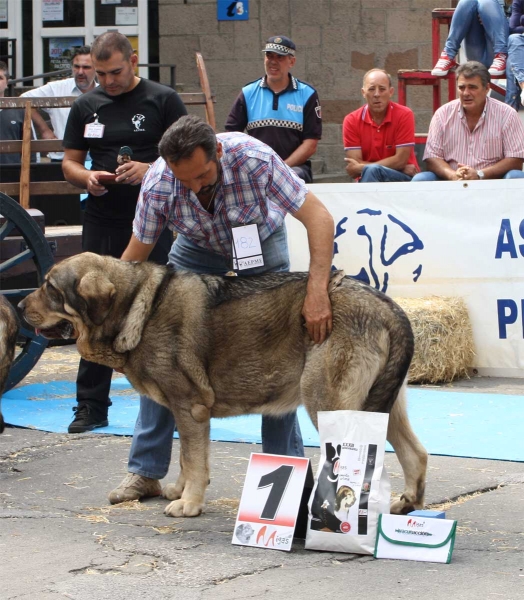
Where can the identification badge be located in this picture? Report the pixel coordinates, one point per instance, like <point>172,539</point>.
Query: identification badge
<point>94,130</point>
<point>247,251</point>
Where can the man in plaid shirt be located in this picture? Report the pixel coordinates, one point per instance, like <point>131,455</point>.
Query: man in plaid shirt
<point>204,185</point>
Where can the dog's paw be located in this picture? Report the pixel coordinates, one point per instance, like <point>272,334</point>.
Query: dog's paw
<point>184,508</point>
<point>404,505</point>
<point>172,491</point>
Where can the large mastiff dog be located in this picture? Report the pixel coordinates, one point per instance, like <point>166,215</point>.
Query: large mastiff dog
<point>8,332</point>
<point>207,346</point>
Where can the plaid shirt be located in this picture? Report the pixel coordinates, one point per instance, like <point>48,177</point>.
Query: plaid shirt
<point>256,187</point>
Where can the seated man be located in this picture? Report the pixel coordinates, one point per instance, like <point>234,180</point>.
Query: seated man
<point>379,138</point>
<point>474,137</point>
<point>280,110</point>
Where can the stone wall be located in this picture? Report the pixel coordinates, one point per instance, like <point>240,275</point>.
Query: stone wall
<point>337,42</point>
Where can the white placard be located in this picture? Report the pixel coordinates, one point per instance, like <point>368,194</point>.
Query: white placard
<point>247,252</point>
<point>270,501</point>
<point>52,10</point>
<point>94,130</point>
<point>448,238</point>
<point>126,16</point>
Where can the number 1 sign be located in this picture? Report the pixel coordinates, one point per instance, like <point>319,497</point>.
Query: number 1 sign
<point>270,501</point>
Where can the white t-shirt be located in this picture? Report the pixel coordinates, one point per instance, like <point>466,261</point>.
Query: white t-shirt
<point>58,116</point>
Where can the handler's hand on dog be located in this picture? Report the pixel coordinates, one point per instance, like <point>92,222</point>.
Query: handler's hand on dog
<point>131,172</point>
<point>318,315</point>
<point>95,188</point>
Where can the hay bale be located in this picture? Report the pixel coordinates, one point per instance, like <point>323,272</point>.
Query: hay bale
<point>444,348</point>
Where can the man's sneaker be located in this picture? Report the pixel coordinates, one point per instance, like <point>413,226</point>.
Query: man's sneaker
<point>88,417</point>
<point>522,97</point>
<point>499,64</point>
<point>444,65</point>
<point>134,487</point>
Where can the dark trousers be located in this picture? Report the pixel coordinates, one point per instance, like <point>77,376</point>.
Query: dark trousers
<point>304,172</point>
<point>93,381</point>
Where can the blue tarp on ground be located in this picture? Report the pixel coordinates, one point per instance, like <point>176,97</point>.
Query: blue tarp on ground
<point>449,423</point>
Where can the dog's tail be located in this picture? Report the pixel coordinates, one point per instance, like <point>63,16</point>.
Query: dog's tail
<point>386,387</point>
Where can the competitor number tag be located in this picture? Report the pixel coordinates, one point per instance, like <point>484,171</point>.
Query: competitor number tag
<point>247,252</point>
<point>270,501</point>
<point>94,130</point>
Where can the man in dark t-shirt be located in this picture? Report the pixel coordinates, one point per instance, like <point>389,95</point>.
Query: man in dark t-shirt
<point>280,110</point>
<point>124,110</point>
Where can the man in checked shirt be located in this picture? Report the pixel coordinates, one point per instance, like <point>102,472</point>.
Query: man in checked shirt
<point>474,137</point>
<point>204,185</point>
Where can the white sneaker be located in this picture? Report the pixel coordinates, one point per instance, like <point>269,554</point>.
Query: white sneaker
<point>522,97</point>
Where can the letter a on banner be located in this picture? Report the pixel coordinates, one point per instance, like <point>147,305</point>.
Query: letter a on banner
<point>270,501</point>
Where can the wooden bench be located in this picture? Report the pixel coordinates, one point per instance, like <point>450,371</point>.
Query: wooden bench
<point>26,188</point>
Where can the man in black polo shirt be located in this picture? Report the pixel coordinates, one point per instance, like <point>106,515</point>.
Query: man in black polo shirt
<point>280,110</point>
<point>124,110</point>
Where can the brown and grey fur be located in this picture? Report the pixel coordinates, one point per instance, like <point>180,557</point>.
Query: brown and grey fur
<point>9,326</point>
<point>207,346</point>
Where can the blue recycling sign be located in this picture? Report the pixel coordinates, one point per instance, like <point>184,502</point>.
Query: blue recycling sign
<point>232,10</point>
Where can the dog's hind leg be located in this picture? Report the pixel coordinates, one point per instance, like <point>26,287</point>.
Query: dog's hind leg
<point>189,490</point>
<point>411,455</point>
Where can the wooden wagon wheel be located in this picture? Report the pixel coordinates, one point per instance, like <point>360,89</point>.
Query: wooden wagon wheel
<point>36,249</point>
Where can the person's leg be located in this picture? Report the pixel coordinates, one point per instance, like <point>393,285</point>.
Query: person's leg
<point>514,175</point>
<point>515,71</point>
<point>93,381</point>
<point>280,435</point>
<point>426,176</point>
<point>150,453</point>
<point>466,15</point>
<point>495,25</point>
<point>477,43</point>
<point>379,173</point>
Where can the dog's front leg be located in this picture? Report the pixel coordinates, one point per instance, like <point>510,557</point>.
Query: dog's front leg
<point>194,468</point>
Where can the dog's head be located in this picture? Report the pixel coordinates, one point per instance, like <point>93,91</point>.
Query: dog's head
<point>76,294</point>
<point>345,498</point>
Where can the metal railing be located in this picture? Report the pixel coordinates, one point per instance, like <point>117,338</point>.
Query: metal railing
<point>67,72</point>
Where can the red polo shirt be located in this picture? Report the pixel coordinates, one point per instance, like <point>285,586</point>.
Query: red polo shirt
<point>376,142</point>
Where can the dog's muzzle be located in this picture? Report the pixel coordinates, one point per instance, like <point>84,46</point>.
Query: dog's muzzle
<point>62,330</point>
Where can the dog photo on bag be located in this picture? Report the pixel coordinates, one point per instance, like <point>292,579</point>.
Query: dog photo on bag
<point>210,346</point>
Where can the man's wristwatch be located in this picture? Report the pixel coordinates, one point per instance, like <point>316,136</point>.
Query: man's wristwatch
<point>480,174</point>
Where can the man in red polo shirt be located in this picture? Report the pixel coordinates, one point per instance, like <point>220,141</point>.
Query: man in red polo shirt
<point>379,138</point>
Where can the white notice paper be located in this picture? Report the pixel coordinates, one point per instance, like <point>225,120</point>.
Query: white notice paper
<point>126,16</point>
<point>52,10</point>
<point>247,252</point>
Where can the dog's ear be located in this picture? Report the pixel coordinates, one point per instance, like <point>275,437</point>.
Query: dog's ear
<point>98,293</point>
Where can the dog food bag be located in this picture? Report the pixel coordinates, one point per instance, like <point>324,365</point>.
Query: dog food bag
<point>351,486</point>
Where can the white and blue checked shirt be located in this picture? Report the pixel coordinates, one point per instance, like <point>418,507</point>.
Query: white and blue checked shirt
<point>256,187</point>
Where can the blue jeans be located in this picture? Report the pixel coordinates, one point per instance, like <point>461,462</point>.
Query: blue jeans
<point>150,453</point>
<point>374,173</point>
<point>515,70</point>
<point>482,40</point>
<point>429,176</point>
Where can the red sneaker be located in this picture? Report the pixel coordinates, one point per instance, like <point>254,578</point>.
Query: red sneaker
<point>499,65</point>
<point>444,65</point>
